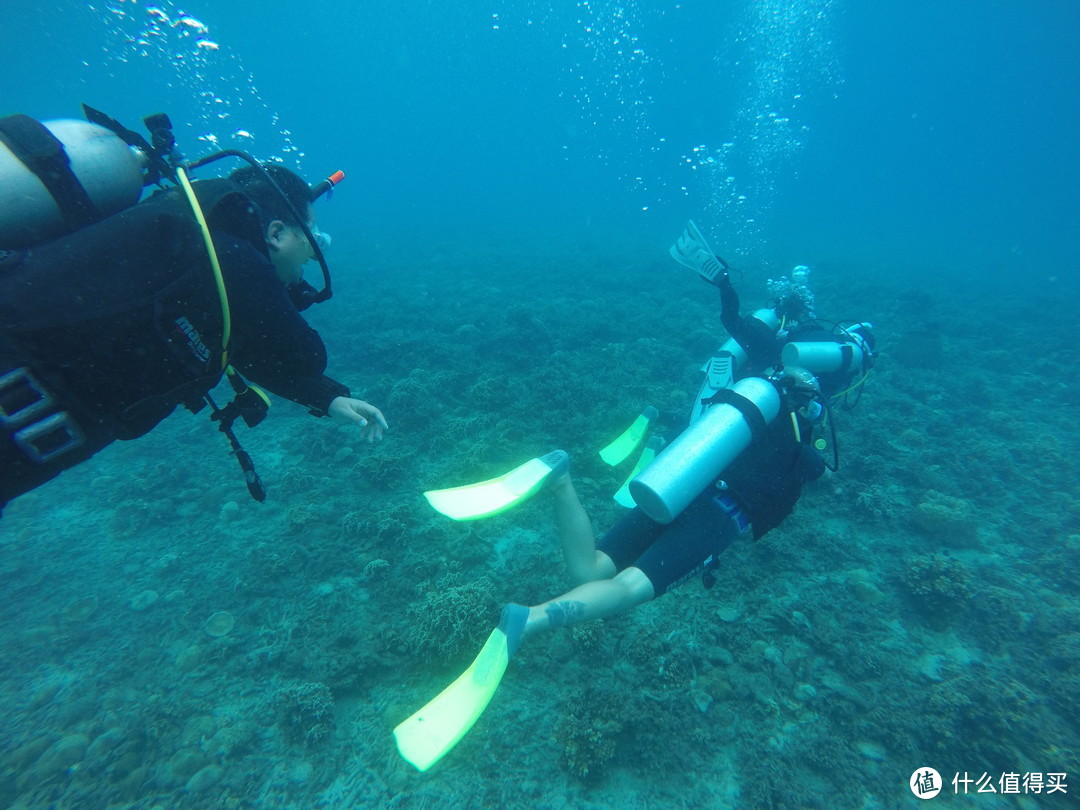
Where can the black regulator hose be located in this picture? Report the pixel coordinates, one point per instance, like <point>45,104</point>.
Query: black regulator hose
<point>326,292</point>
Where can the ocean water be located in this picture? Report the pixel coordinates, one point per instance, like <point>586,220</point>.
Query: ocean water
<point>515,174</point>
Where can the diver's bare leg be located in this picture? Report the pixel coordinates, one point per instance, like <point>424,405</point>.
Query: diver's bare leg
<point>592,600</point>
<point>583,561</point>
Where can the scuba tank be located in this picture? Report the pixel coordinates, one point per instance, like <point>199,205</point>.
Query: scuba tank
<point>721,368</point>
<point>701,452</point>
<point>59,176</point>
<point>851,351</point>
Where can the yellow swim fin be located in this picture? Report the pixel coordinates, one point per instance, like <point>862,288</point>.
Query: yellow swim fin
<point>496,495</point>
<point>428,735</point>
<point>620,449</point>
<point>623,496</point>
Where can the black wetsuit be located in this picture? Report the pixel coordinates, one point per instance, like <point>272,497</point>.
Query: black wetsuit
<point>121,322</point>
<point>761,344</point>
<point>767,478</point>
<point>758,490</point>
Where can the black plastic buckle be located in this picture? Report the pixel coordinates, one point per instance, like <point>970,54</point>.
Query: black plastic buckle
<point>28,414</point>
<point>49,437</point>
<point>22,399</point>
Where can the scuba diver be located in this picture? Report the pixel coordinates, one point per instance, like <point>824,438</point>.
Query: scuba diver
<point>736,471</point>
<point>755,436</point>
<point>113,313</point>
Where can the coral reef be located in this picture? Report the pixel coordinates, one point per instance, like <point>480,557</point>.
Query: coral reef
<point>939,586</point>
<point>837,651</point>
<point>589,732</point>
<point>946,518</point>
<point>307,712</point>
<point>451,618</point>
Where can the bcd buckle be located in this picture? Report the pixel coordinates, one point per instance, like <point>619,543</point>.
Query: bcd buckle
<point>28,414</point>
<point>49,437</point>
<point>22,398</point>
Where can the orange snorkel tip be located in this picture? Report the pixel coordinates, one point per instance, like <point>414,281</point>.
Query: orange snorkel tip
<point>327,185</point>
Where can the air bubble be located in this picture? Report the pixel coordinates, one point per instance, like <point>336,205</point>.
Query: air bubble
<point>189,60</point>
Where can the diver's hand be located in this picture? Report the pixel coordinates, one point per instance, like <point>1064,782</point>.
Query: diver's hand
<point>364,414</point>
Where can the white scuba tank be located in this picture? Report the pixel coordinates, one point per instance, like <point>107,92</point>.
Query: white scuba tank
<point>822,357</point>
<point>108,169</point>
<point>700,453</point>
<point>720,369</point>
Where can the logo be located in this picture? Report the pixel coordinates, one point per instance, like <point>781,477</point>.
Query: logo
<point>925,783</point>
<point>194,340</point>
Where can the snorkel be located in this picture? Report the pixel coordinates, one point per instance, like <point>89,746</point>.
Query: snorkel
<point>327,186</point>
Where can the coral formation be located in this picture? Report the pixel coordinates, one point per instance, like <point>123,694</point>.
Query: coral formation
<point>307,712</point>
<point>589,731</point>
<point>451,618</point>
<point>946,518</point>
<point>938,585</point>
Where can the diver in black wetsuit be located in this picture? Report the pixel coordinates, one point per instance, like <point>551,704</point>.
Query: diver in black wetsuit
<point>105,331</point>
<point>644,555</point>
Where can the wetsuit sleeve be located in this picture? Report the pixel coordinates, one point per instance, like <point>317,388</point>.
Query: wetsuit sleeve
<point>729,305</point>
<point>756,339</point>
<point>272,344</point>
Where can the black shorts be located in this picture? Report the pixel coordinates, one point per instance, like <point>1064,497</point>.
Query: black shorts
<point>671,554</point>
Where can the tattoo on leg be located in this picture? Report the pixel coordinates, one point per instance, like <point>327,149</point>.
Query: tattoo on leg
<point>561,614</point>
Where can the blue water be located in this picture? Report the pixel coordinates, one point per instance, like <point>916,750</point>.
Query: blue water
<point>932,129</point>
<point>515,173</point>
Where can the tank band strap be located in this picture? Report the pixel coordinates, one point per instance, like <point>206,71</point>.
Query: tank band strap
<point>750,412</point>
<point>44,155</point>
<point>847,355</point>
